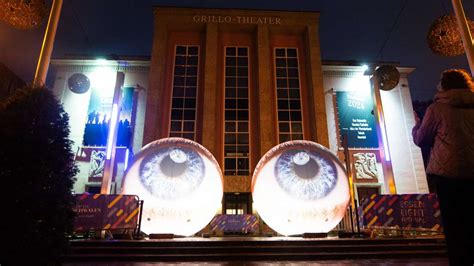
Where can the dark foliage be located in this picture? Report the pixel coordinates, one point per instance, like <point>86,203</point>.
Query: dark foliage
<point>37,171</point>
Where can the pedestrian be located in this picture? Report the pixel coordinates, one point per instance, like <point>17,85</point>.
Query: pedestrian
<point>448,128</point>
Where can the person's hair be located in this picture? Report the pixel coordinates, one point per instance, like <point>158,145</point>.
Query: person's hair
<point>456,79</point>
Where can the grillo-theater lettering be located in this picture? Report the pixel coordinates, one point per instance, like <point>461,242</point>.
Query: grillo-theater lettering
<point>236,19</point>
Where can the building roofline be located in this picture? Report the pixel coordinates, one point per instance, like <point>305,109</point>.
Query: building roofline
<point>355,65</point>
<point>111,57</point>
<point>236,9</point>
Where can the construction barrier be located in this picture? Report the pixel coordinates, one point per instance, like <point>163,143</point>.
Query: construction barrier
<point>106,212</point>
<point>244,223</point>
<point>404,211</point>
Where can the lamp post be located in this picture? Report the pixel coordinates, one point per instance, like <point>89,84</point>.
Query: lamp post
<point>48,43</point>
<point>465,33</point>
<point>112,136</point>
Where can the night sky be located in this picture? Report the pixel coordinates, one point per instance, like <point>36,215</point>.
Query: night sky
<point>349,30</point>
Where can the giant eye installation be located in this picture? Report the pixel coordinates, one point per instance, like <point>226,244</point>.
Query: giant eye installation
<point>298,187</point>
<point>181,184</point>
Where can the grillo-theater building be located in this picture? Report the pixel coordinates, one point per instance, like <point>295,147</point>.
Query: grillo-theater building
<point>240,82</point>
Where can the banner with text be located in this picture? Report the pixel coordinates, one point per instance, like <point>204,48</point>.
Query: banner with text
<point>356,119</point>
<point>100,211</point>
<point>405,211</point>
<point>243,223</point>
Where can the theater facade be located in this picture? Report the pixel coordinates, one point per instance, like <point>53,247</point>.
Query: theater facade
<point>240,82</point>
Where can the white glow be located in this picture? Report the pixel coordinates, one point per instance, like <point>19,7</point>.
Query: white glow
<point>101,61</point>
<point>288,214</point>
<point>178,156</point>
<point>385,141</point>
<point>182,215</point>
<point>301,158</point>
<point>125,164</point>
<point>113,124</point>
<point>103,79</point>
<point>365,67</point>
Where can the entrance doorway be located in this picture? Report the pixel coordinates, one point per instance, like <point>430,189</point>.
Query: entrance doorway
<point>366,191</point>
<point>237,203</point>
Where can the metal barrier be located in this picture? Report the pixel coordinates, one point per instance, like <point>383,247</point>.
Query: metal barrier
<point>98,212</point>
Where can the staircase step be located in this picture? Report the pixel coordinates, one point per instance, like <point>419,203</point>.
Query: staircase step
<point>236,256</point>
<point>248,249</point>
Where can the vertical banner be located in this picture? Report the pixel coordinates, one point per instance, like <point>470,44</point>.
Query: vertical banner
<point>356,118</point>
<point>124,122</point>
<point>98,118</point>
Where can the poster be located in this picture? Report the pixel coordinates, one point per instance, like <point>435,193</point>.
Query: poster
<point>356,118</point>
<point>98,118</point>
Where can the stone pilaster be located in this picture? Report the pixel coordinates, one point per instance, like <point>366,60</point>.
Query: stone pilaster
<point>210,128</point>
<point>155,114</point>
<point>266,93</point>
<point>318,125</point>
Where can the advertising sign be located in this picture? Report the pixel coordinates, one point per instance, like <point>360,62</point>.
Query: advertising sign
<point>405,211</point>
<point>356,119</point>
<point>245,223</point>
<point>98,118</point>
<point>100,211</point>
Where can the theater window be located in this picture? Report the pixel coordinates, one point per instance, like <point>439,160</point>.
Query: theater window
<point>287,80</point>
<point>185,86</point>
<point>236,115</point>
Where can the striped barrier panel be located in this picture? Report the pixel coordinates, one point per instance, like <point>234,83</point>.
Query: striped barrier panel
<point>406,211</point>
<point>105,212</point>
<point>243,223</point>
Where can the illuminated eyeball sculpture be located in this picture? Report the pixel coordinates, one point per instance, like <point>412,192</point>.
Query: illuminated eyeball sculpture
<point>300,187</point>
<point>181,185</point>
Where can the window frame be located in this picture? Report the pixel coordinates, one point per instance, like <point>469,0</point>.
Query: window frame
<point>300,90</point>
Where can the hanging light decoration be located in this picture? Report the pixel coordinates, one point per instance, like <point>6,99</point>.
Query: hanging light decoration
<point>444,37</point>
<point>78,83</point>
<point>23,14</point>
<point>388,77</point>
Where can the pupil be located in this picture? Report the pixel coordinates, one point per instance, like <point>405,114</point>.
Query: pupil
<point>308,170</point>
<point>171,168</point>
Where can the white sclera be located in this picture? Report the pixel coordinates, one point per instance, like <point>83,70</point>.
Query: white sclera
<point>289,214</point>
<point>184,215</point>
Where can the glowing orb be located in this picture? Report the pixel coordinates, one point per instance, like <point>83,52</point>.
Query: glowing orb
<point>180,183</point>
<point>300,187</point>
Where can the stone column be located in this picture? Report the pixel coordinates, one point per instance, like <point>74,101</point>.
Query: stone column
<point>210,128</point>
<point>266,93</point>
<point>318,123</point>
<point>155,106</point>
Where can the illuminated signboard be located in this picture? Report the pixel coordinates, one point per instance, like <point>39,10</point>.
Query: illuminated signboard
<point>356,119</point>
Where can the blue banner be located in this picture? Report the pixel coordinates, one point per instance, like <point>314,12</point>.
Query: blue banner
<point>356,118</point>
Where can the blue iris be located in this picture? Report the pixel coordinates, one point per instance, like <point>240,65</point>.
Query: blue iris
<point>314,179</point>
<point>166,178</point>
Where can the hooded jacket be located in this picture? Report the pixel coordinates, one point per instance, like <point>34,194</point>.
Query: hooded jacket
<point>448,128</point>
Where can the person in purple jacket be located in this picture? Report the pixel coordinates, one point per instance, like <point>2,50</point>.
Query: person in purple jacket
<point>448,128</point>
